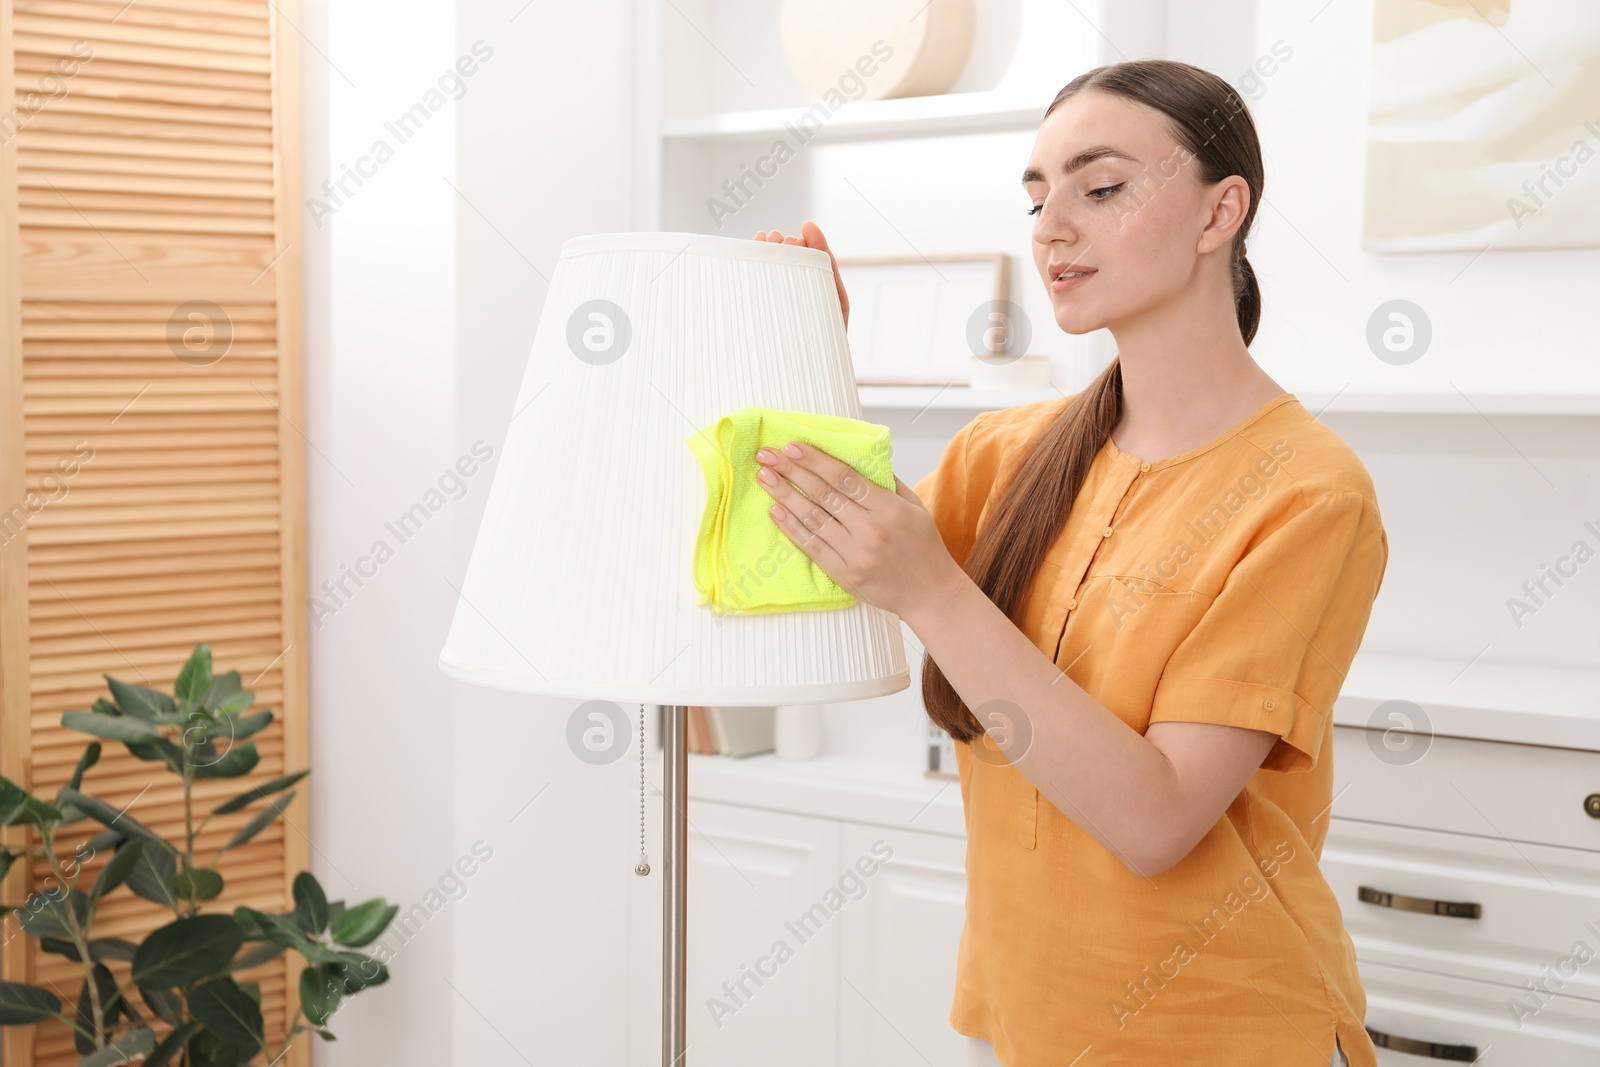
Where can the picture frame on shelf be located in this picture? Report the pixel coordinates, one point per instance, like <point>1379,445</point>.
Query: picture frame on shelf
<point>919,320</point>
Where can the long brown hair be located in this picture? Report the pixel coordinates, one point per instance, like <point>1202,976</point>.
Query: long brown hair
<point>1210,120</point>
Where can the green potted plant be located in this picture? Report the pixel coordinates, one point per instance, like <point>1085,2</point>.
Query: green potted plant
<point>190,1010</point>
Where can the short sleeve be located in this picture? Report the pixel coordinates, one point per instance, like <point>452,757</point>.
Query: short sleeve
<point>1272,650</point>
<point>952,495</point>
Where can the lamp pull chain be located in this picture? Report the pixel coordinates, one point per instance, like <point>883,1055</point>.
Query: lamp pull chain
<point>643,867</point>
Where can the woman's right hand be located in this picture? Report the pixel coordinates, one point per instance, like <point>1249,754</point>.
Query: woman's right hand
<point>811,237</point>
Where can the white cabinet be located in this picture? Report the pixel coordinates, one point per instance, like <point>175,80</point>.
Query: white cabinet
<point>897,961</point>
<point>1467,869</point>
<point>1468,872</point>
<point>813,939</point>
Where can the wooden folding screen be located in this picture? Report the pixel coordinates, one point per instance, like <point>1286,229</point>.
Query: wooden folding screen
<point>149,344</point>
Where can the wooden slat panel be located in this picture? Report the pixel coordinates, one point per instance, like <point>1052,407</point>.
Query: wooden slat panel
<point>145,14</point>
<point>30,22</point>
<point>66,121</point>
<point>51,141</point>
<point>204,121</point>
<point>164,175</point>
<point>172,55</point>
<point>105,83</point>
<point>157,76</point>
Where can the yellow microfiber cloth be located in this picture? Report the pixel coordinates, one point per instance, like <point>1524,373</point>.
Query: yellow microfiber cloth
<point>743,563</point>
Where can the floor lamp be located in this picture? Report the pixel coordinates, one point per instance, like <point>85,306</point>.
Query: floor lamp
<point>580,583</point>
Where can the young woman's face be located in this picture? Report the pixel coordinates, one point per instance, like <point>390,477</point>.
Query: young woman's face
<point>1114,194</point>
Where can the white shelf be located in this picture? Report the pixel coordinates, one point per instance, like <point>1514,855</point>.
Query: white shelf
<point>920,397</point>
<point>912,116</point>
<point>960,397</point>
<point>1529,704</point>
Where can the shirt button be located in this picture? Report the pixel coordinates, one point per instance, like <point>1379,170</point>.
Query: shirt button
<point>1107,533</point>
<point>1144,466</point>
<point>1268,704</point>
<point>1073,603</point>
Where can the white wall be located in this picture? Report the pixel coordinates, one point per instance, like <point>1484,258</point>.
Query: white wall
<point>544,153</point>
<point>380,421</point>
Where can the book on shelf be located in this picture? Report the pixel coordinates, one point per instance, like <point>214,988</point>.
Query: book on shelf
<point>732,731</point>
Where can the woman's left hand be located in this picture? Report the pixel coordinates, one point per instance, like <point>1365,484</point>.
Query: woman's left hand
<point>881,547</point>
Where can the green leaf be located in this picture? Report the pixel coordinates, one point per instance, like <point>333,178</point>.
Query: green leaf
<point>152,876</point>
<point>105,839</point>
<point>163,750</point>
<point>91,756</point>
<point>116,870</point>
<point>140,701</point>
<point>360,972</point>
<point>261,821</point>
<point>255,956</point>
<point>112,948</point>
<point>249,920</point>
<point>236,762</point>
<point>18,806</point>
<point>282,930</point>
<point>110,817</point>
<point>194,680</point>
<point>244,800</point>
<point>228,1012</point>
<point>167,1003</point>
<point>100,948</point>
<point>45,915</point>
<point>6,859</point>
<point>310,903</point>
<point>128,1046</point>
<point>209,1050</point>
<point>111,1007</point>
<point>172,1044</point>
<point>320,992</point>
<point>186,951</point>
<point>198,883</point>
<point>111,727</point>
<point>239,727</point>
<point>226,695</point>
<point>21,1005</point>
<point>361,924</point>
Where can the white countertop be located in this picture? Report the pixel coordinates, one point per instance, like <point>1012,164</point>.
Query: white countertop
<point>1517,703</point>
<point>1523,703</point>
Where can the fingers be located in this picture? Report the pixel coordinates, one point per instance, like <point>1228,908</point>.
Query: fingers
<point>815,239</point>
<point>787,484</point>
<point>810,536</point>
<point>811,236</point>
<point>829,482</point>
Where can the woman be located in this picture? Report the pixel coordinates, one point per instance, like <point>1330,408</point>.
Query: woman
<point>1138,603</point>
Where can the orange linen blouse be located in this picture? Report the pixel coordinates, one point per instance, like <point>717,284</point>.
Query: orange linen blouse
<point>1230,584</point>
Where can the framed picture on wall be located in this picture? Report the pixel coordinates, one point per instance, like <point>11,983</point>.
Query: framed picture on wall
<point>919,320</point>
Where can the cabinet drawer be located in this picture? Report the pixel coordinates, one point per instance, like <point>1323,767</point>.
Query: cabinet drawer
<point>1405,894</point>
<point>1438,1019</point>
<point>1521,792</point>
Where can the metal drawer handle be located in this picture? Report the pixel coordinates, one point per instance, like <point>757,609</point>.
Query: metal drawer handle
<point>1431,1049</point>
<point>1451,908</point>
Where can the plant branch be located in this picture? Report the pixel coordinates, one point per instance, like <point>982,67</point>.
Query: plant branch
<point>80,938</point>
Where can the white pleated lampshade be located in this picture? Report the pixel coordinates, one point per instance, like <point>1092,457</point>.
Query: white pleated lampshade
<point>580,582</point>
